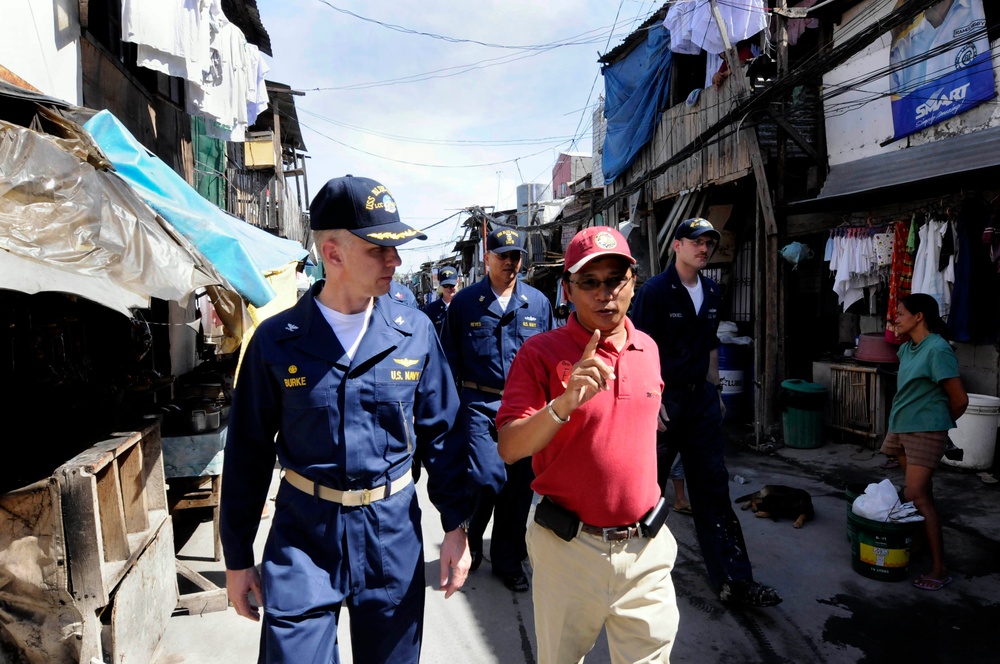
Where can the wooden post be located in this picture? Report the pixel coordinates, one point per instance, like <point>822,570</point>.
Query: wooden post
<point>769,375</point>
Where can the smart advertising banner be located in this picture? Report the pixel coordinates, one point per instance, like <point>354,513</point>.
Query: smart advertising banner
<point>940,65</point>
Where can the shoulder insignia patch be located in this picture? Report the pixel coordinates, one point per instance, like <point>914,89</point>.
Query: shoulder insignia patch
<point>291,328</point>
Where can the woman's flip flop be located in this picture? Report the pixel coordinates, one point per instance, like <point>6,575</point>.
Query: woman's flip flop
<point>930,583</point>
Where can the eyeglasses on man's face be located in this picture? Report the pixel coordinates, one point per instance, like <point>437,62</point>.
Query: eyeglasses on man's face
<point>702,243</point>
<point>448,286</point>
<point>612,283</point>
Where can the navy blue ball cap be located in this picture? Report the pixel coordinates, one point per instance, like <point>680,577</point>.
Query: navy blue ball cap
<point>696,227</point>
<point>362,206</point>
<point>504,238</point>
<point>447,276</point>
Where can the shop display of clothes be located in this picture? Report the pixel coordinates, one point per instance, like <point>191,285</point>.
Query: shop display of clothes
<point>975,313</point>
<point>853,260</point>
<point>945,258</point>
<point>933,267</point>
<point>900,278</point>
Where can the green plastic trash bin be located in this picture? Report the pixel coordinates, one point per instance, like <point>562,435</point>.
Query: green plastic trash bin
<point>802,412</point>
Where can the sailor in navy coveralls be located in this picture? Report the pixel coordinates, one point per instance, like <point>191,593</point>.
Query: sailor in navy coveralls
<point>438,309</point>
<point>679,309</point>
<point>343,390</point>
<point>486,324</point>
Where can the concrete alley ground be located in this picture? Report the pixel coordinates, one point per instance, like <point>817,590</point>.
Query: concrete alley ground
<point>830,613</point>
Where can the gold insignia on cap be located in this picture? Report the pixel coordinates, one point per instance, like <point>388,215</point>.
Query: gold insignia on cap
<point>605,240</point>
<point>389,235</point>
<point>293,369</point>
<point>406,362</point>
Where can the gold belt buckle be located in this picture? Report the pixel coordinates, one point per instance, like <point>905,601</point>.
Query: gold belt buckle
<point>366,496</point>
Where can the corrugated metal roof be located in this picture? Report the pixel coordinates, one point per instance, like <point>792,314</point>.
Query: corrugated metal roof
<point>923,165</point>
<point>245,15</point>
<point>637,36</point>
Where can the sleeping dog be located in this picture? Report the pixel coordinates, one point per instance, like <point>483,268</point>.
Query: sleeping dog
<point>779,502</point>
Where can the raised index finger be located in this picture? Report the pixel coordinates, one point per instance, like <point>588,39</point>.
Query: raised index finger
<point>591,348</point>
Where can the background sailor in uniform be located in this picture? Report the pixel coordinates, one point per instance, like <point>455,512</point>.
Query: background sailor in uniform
<point>436,310</point>
<point>486,324</point>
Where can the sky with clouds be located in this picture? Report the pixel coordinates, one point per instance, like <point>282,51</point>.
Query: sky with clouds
<point>402,93</point>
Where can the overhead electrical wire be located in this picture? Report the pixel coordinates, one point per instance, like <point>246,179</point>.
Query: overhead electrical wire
<point>414,163</point>
<point>571,41</point>
<point>437,141</point>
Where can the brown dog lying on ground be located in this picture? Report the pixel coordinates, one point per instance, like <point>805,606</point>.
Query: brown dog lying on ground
<point>779,502</point>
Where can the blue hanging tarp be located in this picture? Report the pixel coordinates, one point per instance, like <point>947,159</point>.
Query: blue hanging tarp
<point>240,252</point>
<point>635,91</point>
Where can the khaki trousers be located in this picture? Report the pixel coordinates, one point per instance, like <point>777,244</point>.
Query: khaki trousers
<point>585,584</point>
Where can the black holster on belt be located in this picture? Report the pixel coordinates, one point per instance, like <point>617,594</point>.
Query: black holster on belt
<point>558,519</point>
<point>654,519</point>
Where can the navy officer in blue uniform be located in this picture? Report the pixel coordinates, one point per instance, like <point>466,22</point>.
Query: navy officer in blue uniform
<point>679,308</point>
<point>343,390</point>
<point>438,309</point>
<point>486,324</point>
<point>402,294</point>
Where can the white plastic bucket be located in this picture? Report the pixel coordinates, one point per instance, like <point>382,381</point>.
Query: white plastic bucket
<point>977,433</point>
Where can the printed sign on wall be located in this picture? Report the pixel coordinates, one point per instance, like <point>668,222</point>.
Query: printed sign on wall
<point>940,65</point>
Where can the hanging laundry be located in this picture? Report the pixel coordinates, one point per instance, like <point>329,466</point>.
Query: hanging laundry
<point>693,27</point>
<point>900,279</point>
<point>852,262</point>
<point>926,276</point>
<point>883,247</point>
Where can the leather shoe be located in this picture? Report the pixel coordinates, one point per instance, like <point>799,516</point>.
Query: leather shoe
<point>477,560</point>
<point>516,582</point>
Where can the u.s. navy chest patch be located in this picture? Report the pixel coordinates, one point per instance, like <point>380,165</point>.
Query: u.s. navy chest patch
<point>399,370</point>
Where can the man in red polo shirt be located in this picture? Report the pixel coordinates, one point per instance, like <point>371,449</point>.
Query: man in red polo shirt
<point>583,402</point>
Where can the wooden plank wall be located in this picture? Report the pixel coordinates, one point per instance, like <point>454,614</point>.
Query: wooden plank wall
<point>725,159</point>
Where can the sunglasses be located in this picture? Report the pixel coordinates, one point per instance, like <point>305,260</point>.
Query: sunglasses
<point>614,283</point>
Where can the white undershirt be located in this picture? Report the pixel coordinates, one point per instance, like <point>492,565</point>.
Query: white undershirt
<point>349,328</point>
<point>504,300</point>
<point>697,295</point>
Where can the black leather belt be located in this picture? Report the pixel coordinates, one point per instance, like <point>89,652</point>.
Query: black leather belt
<point>482,388</point>
<point>614,533</point>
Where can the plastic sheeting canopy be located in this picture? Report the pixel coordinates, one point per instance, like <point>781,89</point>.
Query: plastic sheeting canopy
<point>240,252</point>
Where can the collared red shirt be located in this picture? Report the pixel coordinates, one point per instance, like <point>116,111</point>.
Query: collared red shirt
<point>601,464</point>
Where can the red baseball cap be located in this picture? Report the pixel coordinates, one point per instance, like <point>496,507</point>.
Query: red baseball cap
<point>594,242</point>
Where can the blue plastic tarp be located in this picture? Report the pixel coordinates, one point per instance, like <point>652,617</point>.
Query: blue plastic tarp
<point>240,252</point>
<point>635,90</point>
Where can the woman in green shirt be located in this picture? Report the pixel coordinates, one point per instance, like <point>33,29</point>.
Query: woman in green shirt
<point>930,397</point>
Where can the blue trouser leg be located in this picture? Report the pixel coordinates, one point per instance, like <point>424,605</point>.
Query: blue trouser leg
<point>320,557</point>
<point>510,520</point>
<point>695,432</point>
<point>480,518</point>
